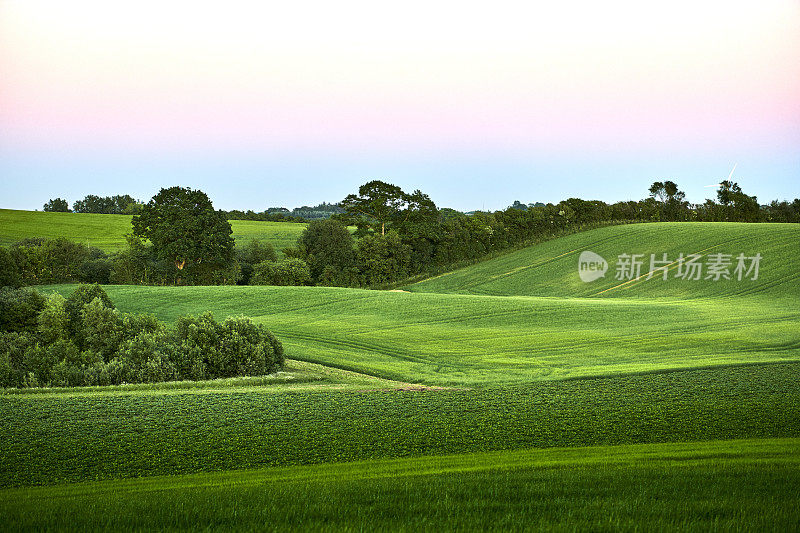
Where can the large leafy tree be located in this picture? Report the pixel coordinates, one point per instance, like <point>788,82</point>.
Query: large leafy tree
<point>185,229</point>
<point>376,206</point>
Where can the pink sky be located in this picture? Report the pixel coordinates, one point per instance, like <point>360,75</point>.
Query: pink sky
<point>157,79</point>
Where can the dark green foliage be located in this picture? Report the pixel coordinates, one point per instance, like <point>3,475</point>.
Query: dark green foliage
<point>12,353</point>
<point>19,309</point>
<point>327,247</point>
<point>186,231</point>
<point>74,305</point>
<point>205,349</point>
<point>84,340</point>
<point>251,254</point>
<point>58,205</point>
<point>375,208</point>
<point>96,268</point>
<point>9,272</point>
<point>48,260</point>
<point>116,205</point>
<point>383,258</point>
<point>40,261</point>
<point>289,271</point>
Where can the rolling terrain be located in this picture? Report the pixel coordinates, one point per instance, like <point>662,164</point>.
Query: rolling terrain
<point>551,268</point>
<point>568,405</point>
<point>107,232</point>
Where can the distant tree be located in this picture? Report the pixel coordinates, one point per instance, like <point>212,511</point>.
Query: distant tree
<point>383,258</point>
<point>57,205</point>
<point>736,205</point>
<point>186,230</point>
<point>112,205</point>
<point>20,308</point>
<point>672,200</point>
<point>375,207</point>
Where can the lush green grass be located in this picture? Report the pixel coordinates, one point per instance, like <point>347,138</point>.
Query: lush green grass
<point>742,485</point>
<point>466,340</point>
<point>551,268</point>
<point>107,232</point>
<point>49,438</point>
<point>509,334</point>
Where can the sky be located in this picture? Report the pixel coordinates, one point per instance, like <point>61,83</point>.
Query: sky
<point>264,104</point>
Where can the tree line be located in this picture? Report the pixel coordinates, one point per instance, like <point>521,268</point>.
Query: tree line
<point>379,235</point>
<point>125,204</point>
<point>121,204</point>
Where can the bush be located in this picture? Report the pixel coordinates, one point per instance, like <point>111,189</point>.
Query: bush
<point>247,349</point>
<point>74,305</point>
<point>9,272</point>
<point>145,358</point>
<point>290,271</point>
<point>96,268</point>
<point>83,340</point>
<point>19,309</point>
<point>102,329</point>
<point>53,321</point>
<point>251,254</point>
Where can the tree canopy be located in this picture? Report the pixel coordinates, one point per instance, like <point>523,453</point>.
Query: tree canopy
<point>185,229</point>
<point>58,205</point>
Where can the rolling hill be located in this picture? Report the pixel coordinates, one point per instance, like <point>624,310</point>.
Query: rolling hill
<point>569,329</point>
<point>551,268</point>
<point>107,232</point>
<point>667,402</point>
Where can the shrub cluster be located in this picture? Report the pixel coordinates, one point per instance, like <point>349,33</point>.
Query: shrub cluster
<point>37,261</point>
<point>84,340</point>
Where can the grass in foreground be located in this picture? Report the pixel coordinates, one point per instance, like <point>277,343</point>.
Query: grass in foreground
<point>742,485</point>
<point>107,232</point>
<point>56,438</point>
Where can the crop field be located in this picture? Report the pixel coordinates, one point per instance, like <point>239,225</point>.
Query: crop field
<point>550,269</point>
<point>77,437</point>
<point>107,232</point>
<point>698,486</point>
<point>467,340</point>
<point>505,395</point>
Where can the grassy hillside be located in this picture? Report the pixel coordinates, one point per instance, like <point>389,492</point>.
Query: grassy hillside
<point>107,232</point>
<point>687,487</point>
<point>551,268</point>
<point>466,340</point>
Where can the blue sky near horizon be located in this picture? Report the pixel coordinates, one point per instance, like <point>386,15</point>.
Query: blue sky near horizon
<point>262,104</point>
<point>464,183</point>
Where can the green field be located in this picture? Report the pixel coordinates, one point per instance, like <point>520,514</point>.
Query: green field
<point>551,268</point>
<point>495,362</point>
<point>745,485</point>
<point>107,232</point>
